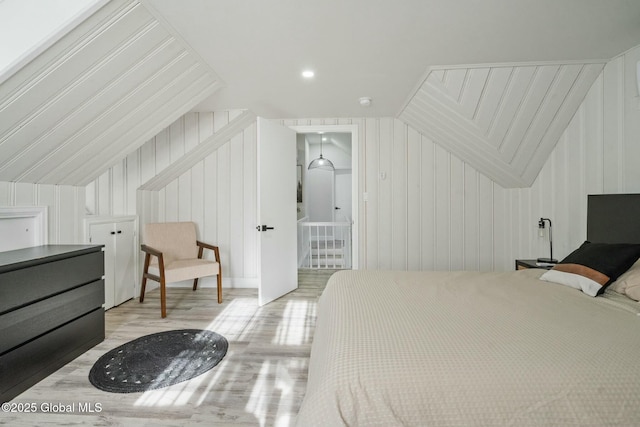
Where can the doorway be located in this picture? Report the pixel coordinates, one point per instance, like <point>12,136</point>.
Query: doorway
<point>327,200</point>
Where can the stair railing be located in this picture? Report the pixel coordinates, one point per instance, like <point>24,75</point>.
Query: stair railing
<point>324,245</point>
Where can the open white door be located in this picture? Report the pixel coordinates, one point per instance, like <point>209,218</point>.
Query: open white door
<point>277,265</point>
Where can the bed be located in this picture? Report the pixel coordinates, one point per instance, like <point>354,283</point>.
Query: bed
<point>468,348</point>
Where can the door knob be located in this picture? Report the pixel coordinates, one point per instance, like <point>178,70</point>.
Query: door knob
<point>263,228</point>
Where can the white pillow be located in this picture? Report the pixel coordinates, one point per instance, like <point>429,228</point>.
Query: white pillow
<point>577,281</point>
<point>629,282</point>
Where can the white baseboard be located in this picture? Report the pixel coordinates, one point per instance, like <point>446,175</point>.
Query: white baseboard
<point>208,282</point>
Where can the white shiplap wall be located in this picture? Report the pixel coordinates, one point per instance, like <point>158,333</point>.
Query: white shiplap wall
<point>425,205</point>
<point>65,203</point>
<point>434,211</point>
<point>218,192</point>
<point>114,192</point>
<point>431,210</point>
<point>597,153</point>
<point>503,119</point>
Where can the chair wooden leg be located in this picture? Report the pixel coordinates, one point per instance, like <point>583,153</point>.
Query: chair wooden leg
<point>220,288</point>
<point>163,298</point>
<point>143,285</point>
<point>142,288</point>
<point>195,283</point>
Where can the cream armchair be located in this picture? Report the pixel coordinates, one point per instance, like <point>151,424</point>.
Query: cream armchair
<point>173,254</point>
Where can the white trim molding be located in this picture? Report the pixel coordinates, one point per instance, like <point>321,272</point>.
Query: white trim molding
<point>39,214</point>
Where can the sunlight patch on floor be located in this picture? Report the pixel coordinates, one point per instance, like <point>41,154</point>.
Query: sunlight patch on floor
<point>294,328</point>
<point>274,388</point>
<point>235,318</point>
<point>220,369</point>
<point>176,395</point>
<point>271,397</point>
<point>259,401</point>
<point>285,384</point>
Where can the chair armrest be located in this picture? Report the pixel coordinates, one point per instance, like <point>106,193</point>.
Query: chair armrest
<point>206,245</point>
<point>151,251</point>
<point>203,245</point>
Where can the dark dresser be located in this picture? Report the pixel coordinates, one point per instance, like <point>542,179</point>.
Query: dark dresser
<point>50,311</point>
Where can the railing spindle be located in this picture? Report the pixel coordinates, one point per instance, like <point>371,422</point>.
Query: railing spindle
<point>318,235</point>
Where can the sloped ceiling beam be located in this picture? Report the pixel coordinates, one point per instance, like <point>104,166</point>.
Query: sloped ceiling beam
<point>96,95</point>
<point>202,150</point>
<point>503,120</point>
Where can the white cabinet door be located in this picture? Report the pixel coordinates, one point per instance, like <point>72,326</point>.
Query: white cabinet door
<point>118,238</point>
<point>124,274</point>
<point>100,234</point>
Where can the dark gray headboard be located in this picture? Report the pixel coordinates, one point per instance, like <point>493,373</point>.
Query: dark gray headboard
<point>613,218</point>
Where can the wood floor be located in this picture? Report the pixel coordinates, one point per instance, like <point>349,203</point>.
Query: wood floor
<point>260,382</point>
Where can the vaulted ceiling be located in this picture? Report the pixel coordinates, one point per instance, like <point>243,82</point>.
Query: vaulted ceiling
<point>495,81</point>
<point>97,94</point>
<point>382,48</point>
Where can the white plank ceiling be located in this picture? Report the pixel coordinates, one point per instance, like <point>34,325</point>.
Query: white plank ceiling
<point>97,94</point>
<point>504,120</point>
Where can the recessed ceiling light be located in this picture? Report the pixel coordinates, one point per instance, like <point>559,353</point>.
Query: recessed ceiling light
<point>365,101</point>
<point>308,74</point>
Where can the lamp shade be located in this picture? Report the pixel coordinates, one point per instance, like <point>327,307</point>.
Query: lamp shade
<point>321,163</point>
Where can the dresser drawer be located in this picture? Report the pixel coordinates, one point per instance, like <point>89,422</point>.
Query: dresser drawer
<point>33,361</point>
<point>24,324</point>
<point>26,285</point>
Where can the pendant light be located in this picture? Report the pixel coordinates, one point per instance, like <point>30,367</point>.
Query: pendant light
<point>321,162</point>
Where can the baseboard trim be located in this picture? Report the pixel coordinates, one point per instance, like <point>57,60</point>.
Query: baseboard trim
<point>209,282</point>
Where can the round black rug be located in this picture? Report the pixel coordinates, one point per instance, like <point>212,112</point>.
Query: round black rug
<point>158,360</point>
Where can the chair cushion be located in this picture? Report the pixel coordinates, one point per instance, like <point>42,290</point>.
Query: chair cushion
<point>176,240</point>
<point>187,269</point>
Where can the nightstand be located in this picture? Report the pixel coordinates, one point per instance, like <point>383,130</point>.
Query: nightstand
<point>522,264</point>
